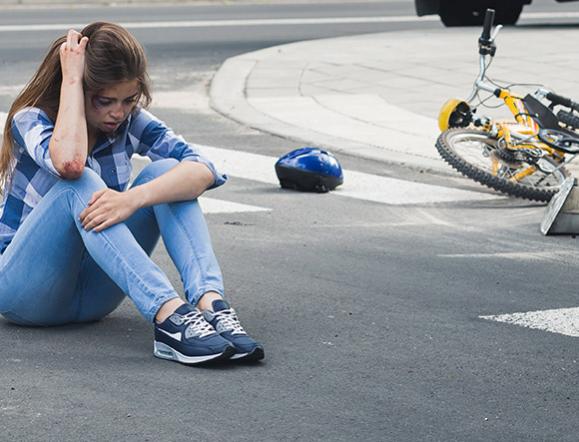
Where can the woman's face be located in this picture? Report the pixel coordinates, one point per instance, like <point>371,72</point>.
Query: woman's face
<point>106,109</point>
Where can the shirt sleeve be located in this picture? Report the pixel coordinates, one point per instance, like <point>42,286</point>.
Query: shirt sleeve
<point>157,141</point>
<point>32,131</point>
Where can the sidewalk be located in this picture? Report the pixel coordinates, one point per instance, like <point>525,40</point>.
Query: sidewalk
<point>377,96</point>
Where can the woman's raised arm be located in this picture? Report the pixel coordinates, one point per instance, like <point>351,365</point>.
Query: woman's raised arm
<point>69,143</point>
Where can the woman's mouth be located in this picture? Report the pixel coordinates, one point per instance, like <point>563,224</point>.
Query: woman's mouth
<point>111,126</point>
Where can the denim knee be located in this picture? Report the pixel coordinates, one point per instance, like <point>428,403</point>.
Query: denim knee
<point>156,169</point>
<point>88,183</point>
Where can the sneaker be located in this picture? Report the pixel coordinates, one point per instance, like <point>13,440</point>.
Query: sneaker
<point>186,337</point>
<point>224,320</point>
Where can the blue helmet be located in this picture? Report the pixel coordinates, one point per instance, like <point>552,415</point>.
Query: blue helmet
<point>309,169</point>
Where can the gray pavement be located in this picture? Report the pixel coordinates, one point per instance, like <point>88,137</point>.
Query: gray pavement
<point>370,312</point>
<point>377,96</point>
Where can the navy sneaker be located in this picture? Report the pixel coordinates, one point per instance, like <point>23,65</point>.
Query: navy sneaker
<point>186,337</point>
<point>224,320</point>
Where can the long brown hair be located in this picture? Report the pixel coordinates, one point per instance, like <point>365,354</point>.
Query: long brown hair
<point>112,55</point>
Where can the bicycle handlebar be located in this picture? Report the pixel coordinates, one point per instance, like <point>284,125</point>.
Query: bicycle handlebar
<point>563,101</point>
<point>485,41</point>
<point>488,24</point>
<point>568,118</point>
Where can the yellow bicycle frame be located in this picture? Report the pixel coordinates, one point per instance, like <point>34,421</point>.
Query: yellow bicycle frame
<point>526,126</point>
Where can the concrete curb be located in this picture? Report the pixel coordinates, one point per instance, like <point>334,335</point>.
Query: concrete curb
<point>228,97</point>
<point>376,96</point>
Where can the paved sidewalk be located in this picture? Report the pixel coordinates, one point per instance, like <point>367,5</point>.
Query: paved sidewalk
<point>377,96</point>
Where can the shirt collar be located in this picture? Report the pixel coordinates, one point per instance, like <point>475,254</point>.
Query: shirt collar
<point>104,141</point>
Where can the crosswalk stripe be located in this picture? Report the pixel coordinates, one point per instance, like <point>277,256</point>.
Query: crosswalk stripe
<point>357,185</point>
<point>212,205</point>
<point>564,321</point>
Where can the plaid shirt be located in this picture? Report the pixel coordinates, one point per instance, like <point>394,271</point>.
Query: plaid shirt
<point>34,175</point>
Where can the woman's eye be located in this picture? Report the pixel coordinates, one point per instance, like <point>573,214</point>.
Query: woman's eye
<point>101,102</point>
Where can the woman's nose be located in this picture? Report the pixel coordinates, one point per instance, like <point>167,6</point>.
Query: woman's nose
<point>117,112</point>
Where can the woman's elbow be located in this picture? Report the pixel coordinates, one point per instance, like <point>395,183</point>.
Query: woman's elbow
<point>208,178</point>
<point>70,170</point>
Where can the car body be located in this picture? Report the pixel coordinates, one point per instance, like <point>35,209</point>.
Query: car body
<point>471,12</point>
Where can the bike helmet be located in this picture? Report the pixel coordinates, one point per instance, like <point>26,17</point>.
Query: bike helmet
<point>309,169</point>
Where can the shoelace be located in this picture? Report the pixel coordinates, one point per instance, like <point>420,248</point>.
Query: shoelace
<point>197,323</point>
<point>227,320</point>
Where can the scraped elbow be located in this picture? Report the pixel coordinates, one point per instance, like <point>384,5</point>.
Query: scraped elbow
<point>70,170</point>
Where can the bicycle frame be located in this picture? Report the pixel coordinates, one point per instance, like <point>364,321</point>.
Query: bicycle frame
<point>520,134</point>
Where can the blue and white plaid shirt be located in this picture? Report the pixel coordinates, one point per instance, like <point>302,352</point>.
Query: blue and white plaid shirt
<point>34,174</point>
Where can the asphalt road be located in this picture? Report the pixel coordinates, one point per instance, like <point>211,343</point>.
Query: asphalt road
<point>369,313</point>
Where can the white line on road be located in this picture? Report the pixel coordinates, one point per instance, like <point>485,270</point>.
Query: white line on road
<point>267,22</point>
<point>559,256</point>
<point>11,90</point>
<point>549,15</point>
<point>211,205</point>
<point>357,185</point>
<point>524,255</point>
<point>564,321</point>
<point>225,23</point>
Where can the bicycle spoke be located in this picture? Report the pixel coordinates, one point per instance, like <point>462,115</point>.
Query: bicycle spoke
<point>477,152</point>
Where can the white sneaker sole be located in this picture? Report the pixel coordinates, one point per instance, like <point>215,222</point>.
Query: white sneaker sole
<point>163,351</point>
<point>239,355</point>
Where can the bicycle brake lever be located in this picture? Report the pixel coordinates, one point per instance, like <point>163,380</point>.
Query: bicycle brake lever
<point>496,32</point>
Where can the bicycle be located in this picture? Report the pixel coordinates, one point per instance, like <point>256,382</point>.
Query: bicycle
<point>524,157</point>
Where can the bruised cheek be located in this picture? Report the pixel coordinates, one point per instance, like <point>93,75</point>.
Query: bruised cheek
<point>93,113</point>
<point>96,103</point>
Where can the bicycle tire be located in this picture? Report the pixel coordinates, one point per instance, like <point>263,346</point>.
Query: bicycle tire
<point>446,146</point>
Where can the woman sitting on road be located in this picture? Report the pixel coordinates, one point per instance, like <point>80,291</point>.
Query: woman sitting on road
<point>73,239</point>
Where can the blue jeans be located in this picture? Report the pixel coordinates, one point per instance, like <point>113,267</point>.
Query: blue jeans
<point>55,272</point>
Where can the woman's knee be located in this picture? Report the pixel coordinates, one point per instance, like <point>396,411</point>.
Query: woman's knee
<point>156,169</point>
<point>88,183</point>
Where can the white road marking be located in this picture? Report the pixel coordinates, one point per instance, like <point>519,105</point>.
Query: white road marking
<point>524,255</point>
<point>356,185</point>
<point>540,15</point>
<point>267,22</point>
<point>564,321</point>
<point>560,256</point>
<point>212,205</point>
<point>209,205</point>
<point>11,90</point>
<point>226,23</point>
<point>249,166</point>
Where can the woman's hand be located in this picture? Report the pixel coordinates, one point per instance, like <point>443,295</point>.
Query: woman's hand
<point>106,208</point>
<point>72,56</point>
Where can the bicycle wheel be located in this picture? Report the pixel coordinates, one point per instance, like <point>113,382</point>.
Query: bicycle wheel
<point>474,154</point>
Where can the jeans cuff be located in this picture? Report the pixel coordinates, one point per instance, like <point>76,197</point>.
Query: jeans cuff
<point>199,293</point>
<point>157,306</point>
